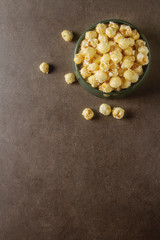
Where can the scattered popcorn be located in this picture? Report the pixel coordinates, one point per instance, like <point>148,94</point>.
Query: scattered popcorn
<point>67,35</point>
<point>105,109</point>
<point>69,78</point>
<point>112,58</point>
<point>88,113</point>
<point>44,67</point>
<point>118,112</point>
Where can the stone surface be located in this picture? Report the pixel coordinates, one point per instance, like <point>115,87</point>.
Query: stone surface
<point>62,177</point>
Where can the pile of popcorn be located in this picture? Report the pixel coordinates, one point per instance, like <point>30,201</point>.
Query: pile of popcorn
<point>111,57</point>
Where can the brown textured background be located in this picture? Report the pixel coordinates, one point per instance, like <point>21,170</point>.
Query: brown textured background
<point>61,177</point>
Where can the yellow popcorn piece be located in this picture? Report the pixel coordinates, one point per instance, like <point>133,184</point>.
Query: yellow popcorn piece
<point>118,112</point>
<point>105,109</point>
<point>69,78</point>
<point>44,67</point>
<point>88,114</point>
<point>67,35</point>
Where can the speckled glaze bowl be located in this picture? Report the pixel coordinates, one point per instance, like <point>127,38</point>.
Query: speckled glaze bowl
<point>114,94</point>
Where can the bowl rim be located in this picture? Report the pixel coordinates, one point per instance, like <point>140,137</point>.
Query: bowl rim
<point>133,86</point>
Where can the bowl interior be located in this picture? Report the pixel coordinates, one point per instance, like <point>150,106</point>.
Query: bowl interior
<point>145,68</point>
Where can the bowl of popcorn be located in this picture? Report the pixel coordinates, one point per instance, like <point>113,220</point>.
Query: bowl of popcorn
<point>111,59</point>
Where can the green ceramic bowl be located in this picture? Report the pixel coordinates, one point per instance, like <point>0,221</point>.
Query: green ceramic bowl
<point>113,94</point>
